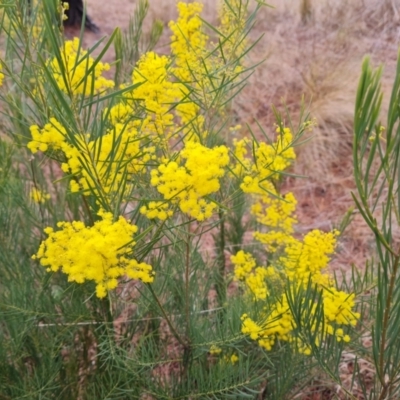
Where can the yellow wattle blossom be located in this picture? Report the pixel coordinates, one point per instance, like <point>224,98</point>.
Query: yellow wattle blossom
<point>233,359</point>
<point>338,307</point>
<point>189,184</point>
<point>308,258</point>
<point>1,76</point>
<point>229,359</point>
<point>52,136</point>
<point>100,253</point>
<point>279,324</point>
<point>157,94</point>
<point>241,163</point>
<point>254,277</point>
<point>73,77</point>
<point>188,42</point>
<point>276,213</point>
<point>244,264</point>
<point>271,209</point>
<point>189,47</point>
<point>106,161</point>
<point>157,209</point>
<point>297,262</point>
<point>202,66</point>
<point>38,196</point>
<point>271,159</point>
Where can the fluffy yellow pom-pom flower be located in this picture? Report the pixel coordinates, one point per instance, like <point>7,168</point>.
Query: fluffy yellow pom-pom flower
<point>99,253</point>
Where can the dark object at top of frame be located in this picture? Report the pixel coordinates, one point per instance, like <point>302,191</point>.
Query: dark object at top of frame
<point>75,16</point>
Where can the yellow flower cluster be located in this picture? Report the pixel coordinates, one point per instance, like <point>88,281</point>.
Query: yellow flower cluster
<point>188,185</point>
<point>199,68</point>
<point>157,94</point>
<point>216,351</point>
<point>338,307</point>
<point>78,74</point>
<point>105,161</point>
<point>233,359</point>
<point>172,86</point>
<point>253,276</point>
<point>188,41</point>
<point>277,213</point>
<point>114,157</point>
<point>100,253</point>
<point>308,258</point>
<point>51,136</point>
<point>188,46</point>
<point>241,163</point>
<point>269,161</point>
<point>270,208</point>
<point>1,77</point>
<point>38,196</point>
<point>142,124</point>
<point>295,261</point>
<point>163,110</point>
<point>157,209</point>
<point>279,324</point>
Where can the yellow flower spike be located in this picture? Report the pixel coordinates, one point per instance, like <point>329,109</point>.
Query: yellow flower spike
<point>76,69</point>
<point>38,196</point>
<point>192,65</point>
<point>157,93</point>
<point>188,41</point>
<point>295,261</point>
<point>232,26</point>
<point>1,77</point>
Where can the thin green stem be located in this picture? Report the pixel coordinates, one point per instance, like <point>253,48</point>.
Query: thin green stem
<point>385,326</point>
<point>187,286</point>
<point>104,333</point>
<point>221,290</point>
<point>187,350</point>
<point>88,209</point>
<point>38,189</point>
<point>173,330</point>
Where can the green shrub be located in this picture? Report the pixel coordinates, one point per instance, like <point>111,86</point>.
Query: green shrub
<point>111,188</point>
